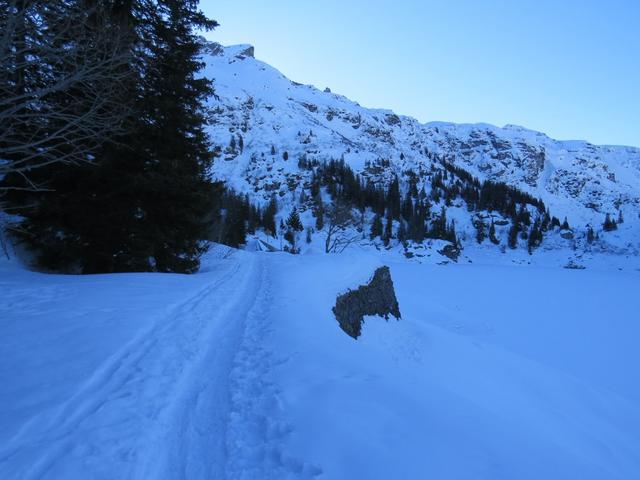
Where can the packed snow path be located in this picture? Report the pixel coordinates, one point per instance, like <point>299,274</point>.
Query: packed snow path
<point>160,407</point>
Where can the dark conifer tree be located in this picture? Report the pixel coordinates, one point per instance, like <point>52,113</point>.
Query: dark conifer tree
<point>376,227</point>
<point>402,232</point>
<point>535,236</point>
<point>269,218</point>
<point>146,202</point>
<point>393,198</point>
<point>492,234</point>
<point>513,235</point>
<point>480,233</point>
<point>388,229</point>
<point>293,221</point>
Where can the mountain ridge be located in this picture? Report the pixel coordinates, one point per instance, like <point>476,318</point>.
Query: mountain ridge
<point>277,117</point>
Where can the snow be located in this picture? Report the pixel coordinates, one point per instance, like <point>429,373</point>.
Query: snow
<point>242,372</point>
<point>112,376</point>
<point>473,382</point>
<point>575,179</point>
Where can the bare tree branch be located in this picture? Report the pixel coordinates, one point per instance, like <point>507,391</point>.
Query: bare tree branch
<point>338,234</point>
<point>62,69</point>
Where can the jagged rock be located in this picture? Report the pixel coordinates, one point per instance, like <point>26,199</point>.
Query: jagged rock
<point>248,52</point>
<point>450,251</point>
<point>572,265</point>
<point>377,297</point>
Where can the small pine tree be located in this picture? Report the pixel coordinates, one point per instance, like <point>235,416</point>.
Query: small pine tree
<point>565,224</point>
<point>402,232</point>
<point>319,212</point>
<point>285,155</point>
<point>492,234</point>
<point>480,235</point>
<point>388,230</point>
<point>535,237</point>
<point>376,227</point>
<point>293,221</point>
<point>513,235</point>
<point>269,218</point>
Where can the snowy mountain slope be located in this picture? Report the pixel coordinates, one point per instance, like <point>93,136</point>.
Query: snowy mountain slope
<point>242,372</point>
<point>274,115</point>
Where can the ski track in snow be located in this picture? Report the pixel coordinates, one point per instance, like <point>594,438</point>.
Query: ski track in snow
<point>176,402</point>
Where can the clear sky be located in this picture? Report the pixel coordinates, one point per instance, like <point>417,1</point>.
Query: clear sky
<point>568,68</point>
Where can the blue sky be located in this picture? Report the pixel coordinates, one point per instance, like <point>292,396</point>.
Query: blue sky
<point>568,68</point>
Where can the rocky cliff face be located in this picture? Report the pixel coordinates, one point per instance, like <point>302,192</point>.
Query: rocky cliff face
<point>263,124</point>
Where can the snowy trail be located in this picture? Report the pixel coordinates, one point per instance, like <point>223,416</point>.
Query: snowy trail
<point>159,407</point>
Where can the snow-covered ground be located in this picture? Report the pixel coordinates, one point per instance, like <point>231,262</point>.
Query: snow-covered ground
<point>241,371</point>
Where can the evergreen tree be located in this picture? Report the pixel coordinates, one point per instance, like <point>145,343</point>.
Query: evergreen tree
<point>402,232</point>
<point>388,229</point>
<point>234,229</point>
<point>492,234</point>
<point>480,226</point>
<point>535,236</point>
<point>319,219</point>
<point>293,221</point>
<point>146,202</point>
<point>376,227</point>
<point>513,235</point>
<point>269,217</point>
<point>393,198</point>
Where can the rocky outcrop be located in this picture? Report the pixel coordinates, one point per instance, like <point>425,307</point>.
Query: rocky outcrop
<point>377,297</point>
<point>450,251</point>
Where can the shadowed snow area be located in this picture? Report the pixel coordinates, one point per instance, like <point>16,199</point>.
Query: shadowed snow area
<point>242,372</point>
